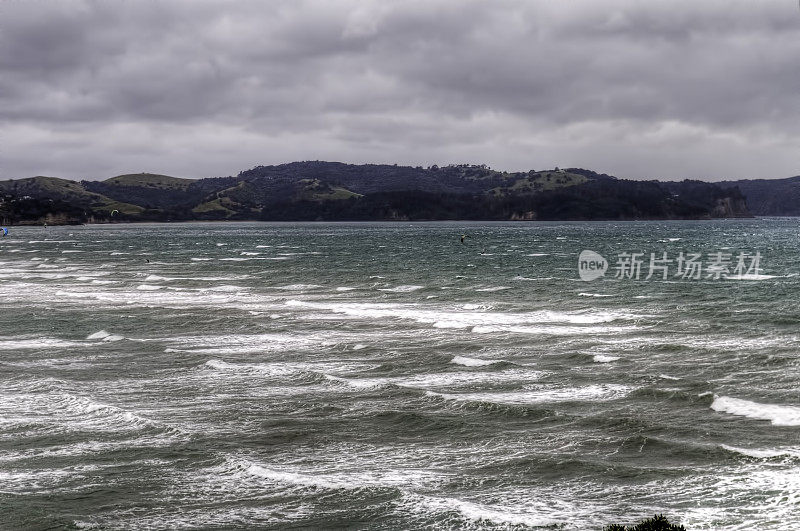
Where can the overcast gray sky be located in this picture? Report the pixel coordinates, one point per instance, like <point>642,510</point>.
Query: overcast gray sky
<point>640,89</point>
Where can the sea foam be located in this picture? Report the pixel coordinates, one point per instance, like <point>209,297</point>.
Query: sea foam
<point>472,362</point>
<point>105,336</point>
<point>599,392</point>
<point>403,289</point>
<point>778,415</point>
<point>599,358</point>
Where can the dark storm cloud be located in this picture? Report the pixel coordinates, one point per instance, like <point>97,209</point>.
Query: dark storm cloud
<point>196,88</point>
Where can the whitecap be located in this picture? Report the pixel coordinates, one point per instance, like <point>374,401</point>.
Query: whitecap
<point>554,330</point>
<point>597,392</point>
<point>472,362</point>
<point>238,344</point>
<point>764,453</point>
<point>450,324</point>
<point>479,513</point>
<point>298,287</point>
<point>33,344</point>
<point>268,369</point>
<point>329,479</point>
<point>778,415</point>
<point>403,288</point>
<point>224,288</point>
<point>482,321</point>
<point>599,358</point>
<point>444,380</point>
<point>155,278</point>
<point>105,336</point>
<point>359,383</point>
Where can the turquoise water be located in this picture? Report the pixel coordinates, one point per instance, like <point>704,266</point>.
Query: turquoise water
<point>389,376</point>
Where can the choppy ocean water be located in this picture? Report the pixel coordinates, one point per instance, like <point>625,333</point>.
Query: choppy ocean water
<point>389,376</point>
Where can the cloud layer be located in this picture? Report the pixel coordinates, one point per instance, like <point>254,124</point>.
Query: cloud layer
<point>199,88</point>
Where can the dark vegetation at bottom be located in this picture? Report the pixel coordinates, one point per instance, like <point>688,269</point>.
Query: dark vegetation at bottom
<point>656,523</point>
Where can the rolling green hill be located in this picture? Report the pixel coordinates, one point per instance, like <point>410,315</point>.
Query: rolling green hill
<point>150,180</point>
<point>71,192</point>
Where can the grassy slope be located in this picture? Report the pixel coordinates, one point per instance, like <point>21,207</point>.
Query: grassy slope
<point>226,202</point>
<point>242,198</point>
<point>66,190</point>
<point>150,180</point>
<point>217,205</point>
<point>316,190</point>
<point>539,182</point>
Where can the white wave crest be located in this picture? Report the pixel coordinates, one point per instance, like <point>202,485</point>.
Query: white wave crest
<point>480,513</point>
<point>482,321</point>
<point>599,392</point>
<point>156,278</point>
<point>37,343</point>
<point>299,287</point>
<point>148,287</point>
<point>105,336</point>
<point>403,289</point>
<point>554,330</point>
<point>473,362</point>
<point>778,415</point>
<point>599,358</point>
<point>765,453</point>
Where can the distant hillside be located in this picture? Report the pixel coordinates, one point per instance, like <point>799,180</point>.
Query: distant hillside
<point>150,191</point>
<point>336,191</point>
<point>50,199</point>
<point>770,197</point>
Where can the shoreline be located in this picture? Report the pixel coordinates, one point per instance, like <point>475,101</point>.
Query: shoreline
<point>398,221</point>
